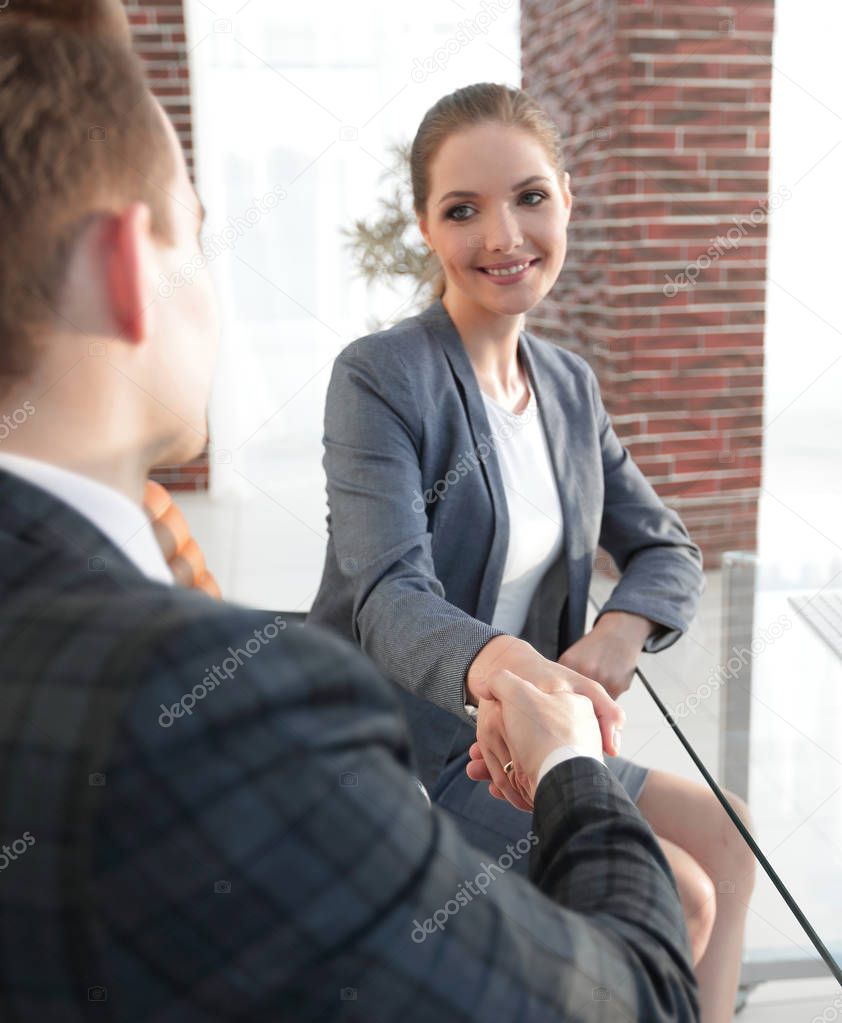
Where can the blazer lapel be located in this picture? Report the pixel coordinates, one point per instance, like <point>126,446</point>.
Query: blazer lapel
<point>549,392</point>
<point>438,322</point>
<point>555,427</point>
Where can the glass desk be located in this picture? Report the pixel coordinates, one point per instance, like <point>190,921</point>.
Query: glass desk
<point>764,715</point>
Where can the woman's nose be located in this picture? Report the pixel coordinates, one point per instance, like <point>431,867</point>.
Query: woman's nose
<point>503,232</point>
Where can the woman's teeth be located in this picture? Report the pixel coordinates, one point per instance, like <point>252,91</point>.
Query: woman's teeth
<point>508,271</point>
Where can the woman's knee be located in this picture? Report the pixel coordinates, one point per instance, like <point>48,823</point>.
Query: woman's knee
<point>697,894</point>
<point>690,816</point>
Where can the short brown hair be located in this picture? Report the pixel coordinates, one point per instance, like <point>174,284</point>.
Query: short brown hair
<point>482,103</point>
<point>80,133</point>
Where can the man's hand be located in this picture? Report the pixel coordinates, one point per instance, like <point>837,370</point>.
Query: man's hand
<point>534,723</point>
<point>508,654</point>
<point>609,653</point>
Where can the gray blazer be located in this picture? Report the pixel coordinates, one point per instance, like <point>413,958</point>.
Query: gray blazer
<point>418,525</point>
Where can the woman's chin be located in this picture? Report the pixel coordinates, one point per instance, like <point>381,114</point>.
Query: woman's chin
<point>510,301</point>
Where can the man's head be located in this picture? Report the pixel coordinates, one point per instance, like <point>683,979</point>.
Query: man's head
<point>97,207</point>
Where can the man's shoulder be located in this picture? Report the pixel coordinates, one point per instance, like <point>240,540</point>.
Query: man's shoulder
<point>219,639</point>
<point>200,666</point>
<point>115,627</point>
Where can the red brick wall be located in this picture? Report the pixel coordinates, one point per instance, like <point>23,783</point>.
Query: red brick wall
<point>160,39</point>
<point>664,108</point>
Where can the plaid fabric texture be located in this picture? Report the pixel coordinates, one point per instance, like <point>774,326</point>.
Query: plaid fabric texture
<point>206,816</point>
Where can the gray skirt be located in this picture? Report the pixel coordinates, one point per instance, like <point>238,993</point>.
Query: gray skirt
<point>491,824</point>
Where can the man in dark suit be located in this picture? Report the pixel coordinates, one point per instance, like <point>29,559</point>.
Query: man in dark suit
<point>208,815</point>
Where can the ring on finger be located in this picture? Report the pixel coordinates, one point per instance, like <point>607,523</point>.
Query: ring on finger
<point>508,768</point>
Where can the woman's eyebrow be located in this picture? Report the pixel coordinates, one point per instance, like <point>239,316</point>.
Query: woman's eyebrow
<point>474,195</point>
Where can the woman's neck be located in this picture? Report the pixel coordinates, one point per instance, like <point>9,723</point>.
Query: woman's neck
<point>491,341</point>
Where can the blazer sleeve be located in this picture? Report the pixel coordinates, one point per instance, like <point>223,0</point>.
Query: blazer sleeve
<point>401,618</point>
<point>661,567</point>
<point>268,857</point>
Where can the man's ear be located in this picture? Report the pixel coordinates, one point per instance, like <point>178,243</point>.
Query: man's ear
<point>126,238</point>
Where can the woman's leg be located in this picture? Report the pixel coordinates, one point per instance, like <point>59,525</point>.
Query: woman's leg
<point>688,815</point>
<point>697,894</point>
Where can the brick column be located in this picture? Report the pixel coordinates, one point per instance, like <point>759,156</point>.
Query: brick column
<point>664,109</point>
<point>160,39</point>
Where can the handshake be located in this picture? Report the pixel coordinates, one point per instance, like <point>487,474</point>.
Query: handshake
<point>528,707</point>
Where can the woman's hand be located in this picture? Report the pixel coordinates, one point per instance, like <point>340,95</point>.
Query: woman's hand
<point>491,739</point>
<point>507,653</point>
<point>610,652</point>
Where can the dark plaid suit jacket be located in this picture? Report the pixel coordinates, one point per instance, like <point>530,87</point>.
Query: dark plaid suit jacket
<point>207,817</point>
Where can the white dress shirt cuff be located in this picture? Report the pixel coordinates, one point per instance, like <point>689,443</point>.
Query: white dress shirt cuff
<point>558,756</point>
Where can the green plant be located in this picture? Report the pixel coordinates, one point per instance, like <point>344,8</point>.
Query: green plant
<point>388,247</point>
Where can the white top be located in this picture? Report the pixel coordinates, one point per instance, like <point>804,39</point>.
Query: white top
<point>536,530</point>
<point>121,520</point>
<point>535,517</point>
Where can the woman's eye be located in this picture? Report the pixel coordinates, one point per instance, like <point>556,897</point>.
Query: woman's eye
<point>461,212</point>
<point>533,198</point>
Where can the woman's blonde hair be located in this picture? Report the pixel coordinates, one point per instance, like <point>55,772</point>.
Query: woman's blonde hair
<point>475,104</point>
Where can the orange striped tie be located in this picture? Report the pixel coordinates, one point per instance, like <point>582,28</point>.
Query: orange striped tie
<point>182,553</point>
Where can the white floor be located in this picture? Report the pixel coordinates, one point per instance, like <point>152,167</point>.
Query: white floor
<point>266,549</point>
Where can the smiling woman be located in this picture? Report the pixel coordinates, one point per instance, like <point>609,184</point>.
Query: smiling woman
<point>492,576</point>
